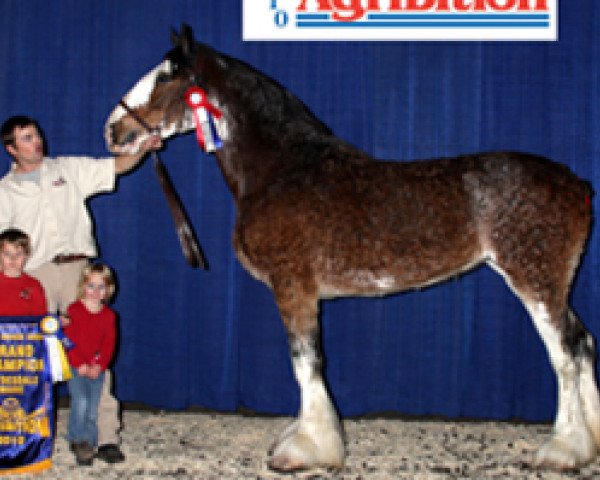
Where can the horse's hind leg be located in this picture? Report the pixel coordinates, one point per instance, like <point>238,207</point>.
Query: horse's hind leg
<point>587,384</point>
<point>576,432</point>
<point>315,437</point>
<point>534,232</point>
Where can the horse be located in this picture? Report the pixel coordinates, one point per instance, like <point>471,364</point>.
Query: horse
<point>317,218</point>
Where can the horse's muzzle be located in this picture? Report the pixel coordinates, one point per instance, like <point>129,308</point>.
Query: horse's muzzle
<point>130,137</point>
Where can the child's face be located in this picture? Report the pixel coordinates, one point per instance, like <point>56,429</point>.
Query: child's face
<point>94,288</point>
<point>12,260</point>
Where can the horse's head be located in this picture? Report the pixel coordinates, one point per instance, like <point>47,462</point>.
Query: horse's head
<point>157,98</point>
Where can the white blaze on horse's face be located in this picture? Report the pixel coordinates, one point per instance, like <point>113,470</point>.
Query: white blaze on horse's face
<point>141,91</point>
<point>140,96</point>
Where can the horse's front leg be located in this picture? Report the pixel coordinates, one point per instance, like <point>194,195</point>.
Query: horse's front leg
<point>315,437</point>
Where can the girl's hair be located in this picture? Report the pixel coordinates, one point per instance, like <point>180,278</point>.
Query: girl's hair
<point>17,238</point>
<point>107,276</point>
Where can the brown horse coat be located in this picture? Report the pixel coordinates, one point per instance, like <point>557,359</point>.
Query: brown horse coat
<point>318,218</point>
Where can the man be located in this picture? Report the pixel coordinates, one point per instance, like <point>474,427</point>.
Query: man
<point>45,197</point>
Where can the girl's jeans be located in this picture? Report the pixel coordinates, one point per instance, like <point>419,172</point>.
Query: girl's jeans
<point>83,417</point>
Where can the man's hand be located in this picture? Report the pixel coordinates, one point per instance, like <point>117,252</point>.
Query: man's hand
<point>65,320</point>
<point>151,143</point>
<point>124,163</point>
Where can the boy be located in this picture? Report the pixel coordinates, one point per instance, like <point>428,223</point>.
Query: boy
<point>20,293</point>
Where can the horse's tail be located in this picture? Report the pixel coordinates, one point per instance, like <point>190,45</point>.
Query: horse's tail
<point>588,192</point>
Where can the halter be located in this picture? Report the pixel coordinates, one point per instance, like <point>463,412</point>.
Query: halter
<point>137,118</point>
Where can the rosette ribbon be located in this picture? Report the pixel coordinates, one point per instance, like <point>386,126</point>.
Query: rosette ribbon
<point>204,111</point>
<point>56,343</point>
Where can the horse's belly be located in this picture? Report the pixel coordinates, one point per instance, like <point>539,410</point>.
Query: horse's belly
<point>402,273</point>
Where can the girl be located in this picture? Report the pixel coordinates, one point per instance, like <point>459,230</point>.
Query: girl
<point>93,332</point>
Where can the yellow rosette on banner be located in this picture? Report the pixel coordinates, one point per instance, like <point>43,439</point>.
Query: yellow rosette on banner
<point>55,339</point>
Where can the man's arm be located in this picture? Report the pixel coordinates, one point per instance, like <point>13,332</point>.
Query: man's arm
<point>124,163</point>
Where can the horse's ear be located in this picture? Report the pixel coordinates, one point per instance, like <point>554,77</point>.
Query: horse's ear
<point>186,39</point>
<point>174,37</point>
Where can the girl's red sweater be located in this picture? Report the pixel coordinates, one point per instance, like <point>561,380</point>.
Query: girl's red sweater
<point>93,335</point>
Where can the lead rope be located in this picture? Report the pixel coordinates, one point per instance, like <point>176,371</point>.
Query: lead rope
<point>187,238</point>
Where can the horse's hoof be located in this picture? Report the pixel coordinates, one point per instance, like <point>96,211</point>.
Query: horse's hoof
<point>284,464</point>
<point>563,455</point>
<point>298,451</point>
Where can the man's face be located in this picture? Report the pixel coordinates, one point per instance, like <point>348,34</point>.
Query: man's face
<point>12,259</point>
<point>28,150</point>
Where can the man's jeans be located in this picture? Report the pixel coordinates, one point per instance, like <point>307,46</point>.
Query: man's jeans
<point>83,417</point>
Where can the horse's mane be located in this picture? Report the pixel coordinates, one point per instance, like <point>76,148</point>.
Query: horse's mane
<point>283,119</point>
<point>261,107</point>
<point>268,98</point>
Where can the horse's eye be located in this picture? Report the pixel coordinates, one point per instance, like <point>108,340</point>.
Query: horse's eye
<point>163,77</point>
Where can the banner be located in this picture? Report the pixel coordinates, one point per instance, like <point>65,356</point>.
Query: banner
<point>475,20</point>
<point>31,359</point>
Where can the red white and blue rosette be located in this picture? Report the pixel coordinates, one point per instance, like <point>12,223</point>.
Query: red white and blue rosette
<point>204,111</point>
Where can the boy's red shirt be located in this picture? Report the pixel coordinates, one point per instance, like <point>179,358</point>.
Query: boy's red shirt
<point>93,334</point>
<point>21,296</point>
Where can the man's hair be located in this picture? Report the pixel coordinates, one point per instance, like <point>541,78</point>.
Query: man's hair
<point>8,128</point>
<point>17,238</point>
<point>107,276</point>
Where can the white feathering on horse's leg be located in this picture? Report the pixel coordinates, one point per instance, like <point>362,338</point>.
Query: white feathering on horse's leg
<point>315,438</point>
<point>588,389</point>
<point>571,444</point>
<point>310,441</point>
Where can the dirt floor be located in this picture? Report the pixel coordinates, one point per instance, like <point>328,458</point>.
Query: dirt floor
<point>200,445</point>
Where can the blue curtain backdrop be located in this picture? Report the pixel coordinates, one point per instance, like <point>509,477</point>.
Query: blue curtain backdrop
<point>214,339</point>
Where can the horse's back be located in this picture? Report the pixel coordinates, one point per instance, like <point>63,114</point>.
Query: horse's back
<point>387,226</point>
